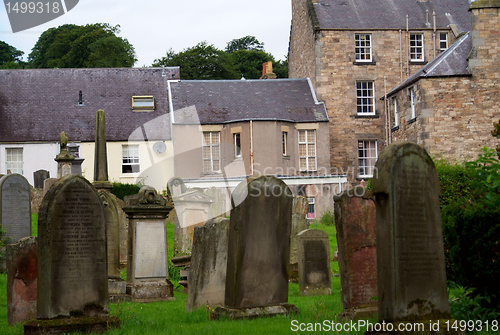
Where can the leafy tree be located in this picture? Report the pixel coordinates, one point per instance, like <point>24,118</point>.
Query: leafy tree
<point>250,43</point>
<point>249,62</point>
<point>496,133</point>
<point>82,46</point>
<point>202,62</point>
<point>10,57</point>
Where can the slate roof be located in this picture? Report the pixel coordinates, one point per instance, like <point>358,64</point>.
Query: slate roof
<point>37,104</point>
<point>225,101</point>
<point>391,14</point>
<point>452,62</point>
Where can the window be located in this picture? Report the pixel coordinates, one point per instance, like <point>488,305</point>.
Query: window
<point>443,41</point>
<point>211,151</point>
<point>311,213</point>
<point>307,150</point>
<point>143,103</point>
<point>396,113</point>
<point>367,156</point>
<point>237,145</point>
<point>74,150</point>
<point>365,98</point>
<point>417,47</point>
<point>284,140</point>
<point>363,43</point>
<point>14,161</point>
<point>130,159</point>
<point>413,103</point>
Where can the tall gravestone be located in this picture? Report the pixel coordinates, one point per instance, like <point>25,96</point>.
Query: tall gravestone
<point>15,201</point>
<point>147,265</point>
<point>72,273</point>
<point>39,177</point>
<point>258,250</point>
<point>410,255</point>
<point>207,277</point>
<point>218,204</point>
<point>355,223</point>
<point>314,262</point>
<point>299,223</point>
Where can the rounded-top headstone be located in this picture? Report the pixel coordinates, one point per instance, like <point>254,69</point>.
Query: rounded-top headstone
<point>15,205</point>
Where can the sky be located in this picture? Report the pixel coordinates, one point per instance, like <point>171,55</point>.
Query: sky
<point>155,26</point>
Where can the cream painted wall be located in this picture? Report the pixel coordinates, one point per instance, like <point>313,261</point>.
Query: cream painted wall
<point>155,168</point>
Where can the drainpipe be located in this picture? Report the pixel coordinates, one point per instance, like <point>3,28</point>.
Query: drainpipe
<point>434,31</point>
<point>251,148</point>
<point>401,53</point>
<point>407,48</point>
<point>387,116</point>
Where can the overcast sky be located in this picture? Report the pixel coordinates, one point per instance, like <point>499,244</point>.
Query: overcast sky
<point>155,26</point>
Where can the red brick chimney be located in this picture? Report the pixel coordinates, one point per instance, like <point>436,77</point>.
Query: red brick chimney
<point>267,71</point>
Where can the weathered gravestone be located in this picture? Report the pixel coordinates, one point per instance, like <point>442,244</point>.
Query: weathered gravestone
<point>355,223</point>
<point>207,276</point>
<point>299,223</point>
<point>218,202</point>
<point>39,177</point>
<point>410,255</point>
<point>15,215</point>
<point>258,250</point>
<point>314,262</point>
<point>64,159</point>
<point>47,184</point>
<point>147,265</point>
<point>72,275</point>
<point>21,280</point>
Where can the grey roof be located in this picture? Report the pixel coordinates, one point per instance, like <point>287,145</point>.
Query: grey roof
<point>225,101</point>
<point>452,62</point>
<point>36,105</point>
<point>391,14</point>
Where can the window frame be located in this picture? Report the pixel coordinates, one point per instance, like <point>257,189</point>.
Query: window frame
<point>14,166</point>
<point>311,202</point>
<point>365,168</point>
<point>414,54</point>
<point>132,159</point>
<point>371,97</point>
<point>284,143</point>
<point>308,145</point>
<point>396,112</point>
<point>360,50</point>
<point>211,145</point>
<point>413,102</point>
<point>441,40</point>
<point>143,99</point>
<point>237,144</point>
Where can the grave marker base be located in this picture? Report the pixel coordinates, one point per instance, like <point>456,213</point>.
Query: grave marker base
<point>96,324</point>
<point>253,312</point>
<point>149,291</point>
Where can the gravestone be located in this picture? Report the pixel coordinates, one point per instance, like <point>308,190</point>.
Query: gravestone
<point>21,280</point>
<point>15,206</point>
<point>47,184</point>
<point>218,204</point>
<point>299,223</point>
<point>39,177</point>
<point>72,291</point>
<point>147,265</point>
<point>64,159</point>
<point>410,255</point>
<point>207,276</point>
<point>314,262</point>
<point>258,250</point>
<point>355,223</point>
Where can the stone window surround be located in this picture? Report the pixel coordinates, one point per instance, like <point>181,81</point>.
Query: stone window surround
<point>371,96</point>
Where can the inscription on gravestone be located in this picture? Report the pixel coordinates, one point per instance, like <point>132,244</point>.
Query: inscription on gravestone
<point>15,201</point>
<point>150,250</point>
<point>314,262</point>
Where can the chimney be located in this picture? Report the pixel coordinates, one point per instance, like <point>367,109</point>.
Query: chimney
<point>267,71</point>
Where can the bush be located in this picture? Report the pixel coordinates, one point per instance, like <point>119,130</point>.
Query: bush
<point>328,219</point>
<point>122,190</point>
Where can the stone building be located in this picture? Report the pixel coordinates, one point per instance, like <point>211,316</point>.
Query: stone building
<point>450,104</point>
<point>356,51</point>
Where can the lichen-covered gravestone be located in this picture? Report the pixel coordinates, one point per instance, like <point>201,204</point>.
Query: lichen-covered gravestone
<point>314,262</point>
<point>410,254</point>
<point>355,223</point>
<point>258,250</point>
<point>15,206</point>
<point>72,275</point>
<point>207,276</point>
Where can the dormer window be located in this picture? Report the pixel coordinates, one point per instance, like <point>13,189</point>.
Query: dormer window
<point>143,103</point>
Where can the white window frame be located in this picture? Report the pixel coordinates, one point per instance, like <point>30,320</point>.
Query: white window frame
<point>14,160</point>
<point>365,97</point>
<point>413,102</point>
<point>284,143</point>
<point>396,112</point>
<point>416,45</point>
<point>143,103</point>
<point>311,201</point>
<point>363,47</point>
<point>237,144</point>
<point>309,147</point>
<point>441,40</point>
<point>131,159</point>
<point>212,156</point>
<point>367,157</point>
<point>74,150</point>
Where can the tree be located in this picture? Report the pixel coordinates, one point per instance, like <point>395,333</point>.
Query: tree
<point>10,57</point>
<point>496,133</point>
<point>202,62</point>
<point>93,45</point>
<point>250,43</point>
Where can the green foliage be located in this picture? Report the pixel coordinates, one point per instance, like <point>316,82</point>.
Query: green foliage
<point>496,133</point>
<point>92,45</point>
<point>122,190</point>
<point>249,43</point>
<point>465,305</point>
<point>249,62</point>
<point>455,182</point>
<point>10,57</point>
<point>328,218</point>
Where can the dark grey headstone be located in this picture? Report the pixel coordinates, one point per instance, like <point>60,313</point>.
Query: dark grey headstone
<point>15,205</point>
<point>410,255</point>
<point>39,177</point>
<point>72,274</point>
<point>314,262</point>
<point>259,244</point>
